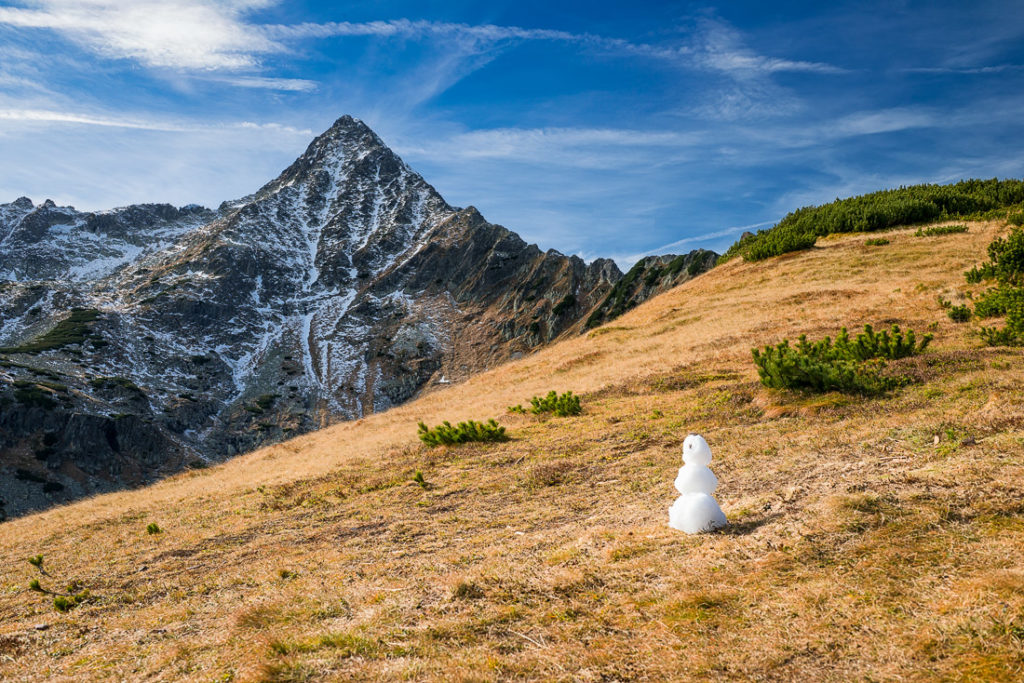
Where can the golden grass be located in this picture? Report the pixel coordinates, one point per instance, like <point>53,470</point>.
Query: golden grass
<point>860,548</point>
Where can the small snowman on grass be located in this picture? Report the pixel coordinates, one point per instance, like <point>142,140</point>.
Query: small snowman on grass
<point>695,510</point>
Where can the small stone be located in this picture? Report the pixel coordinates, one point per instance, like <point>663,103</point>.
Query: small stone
<point>936,440</point>
<point>969,441</point>
<point>41,627</point>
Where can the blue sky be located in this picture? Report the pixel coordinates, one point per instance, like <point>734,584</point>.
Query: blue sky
<point>596,128</point>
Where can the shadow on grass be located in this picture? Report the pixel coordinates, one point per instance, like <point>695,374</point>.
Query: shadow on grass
<point>748,526</point>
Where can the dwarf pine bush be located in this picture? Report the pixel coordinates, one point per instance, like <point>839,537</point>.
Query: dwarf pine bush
<point>876,242</point>
<point>66,603</point>
<point>153,528</point>
<point>846,365</point>
<point>939,230</point>
<point>959,314</point>
<point>778,243</point>
<point>565,405</point>
<point>1006,298</point>
<point>446,434</point>
<point>891,345</point>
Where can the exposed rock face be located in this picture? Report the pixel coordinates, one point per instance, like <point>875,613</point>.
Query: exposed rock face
<point>142,340</point>
<point>649,277</point>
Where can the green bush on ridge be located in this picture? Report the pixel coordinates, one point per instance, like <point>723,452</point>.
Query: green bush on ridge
<point>879,211</point>
<point>565,405</point>
<point>1006,297</point>
<point>446,434</point>
<point>939,230</point>
<point>850,366</point>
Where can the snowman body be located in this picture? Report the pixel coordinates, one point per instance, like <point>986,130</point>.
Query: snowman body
<point>695,510</point>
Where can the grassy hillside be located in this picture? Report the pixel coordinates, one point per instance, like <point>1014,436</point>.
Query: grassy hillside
<point>871,538</point>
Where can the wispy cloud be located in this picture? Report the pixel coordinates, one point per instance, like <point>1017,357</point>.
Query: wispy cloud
<point>720,47</point>
<point>44,116</point>
<point>995,69</point>
<point>577,147</point>
<point>179,34</point>
<point>748,89</point>
<point>286,84</point>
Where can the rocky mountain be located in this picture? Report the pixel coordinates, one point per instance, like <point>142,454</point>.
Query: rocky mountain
<point>649,277</point>
<point>139,341</point>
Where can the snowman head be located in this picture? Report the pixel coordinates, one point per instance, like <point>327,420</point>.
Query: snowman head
<point>696,451</point>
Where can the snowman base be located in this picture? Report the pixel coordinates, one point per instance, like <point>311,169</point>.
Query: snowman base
<point>696,513</point>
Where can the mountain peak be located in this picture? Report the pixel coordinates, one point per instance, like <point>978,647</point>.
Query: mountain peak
<point>349,124</point>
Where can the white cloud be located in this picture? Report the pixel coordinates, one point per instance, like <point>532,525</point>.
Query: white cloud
<point>287,84</point>
<point>720,47</point>
<point>47,116</point>
<point>180,34</point>
<point>882,121</point>
<point>995,69</point>
<point>748,90</point>
<point>577,147</point>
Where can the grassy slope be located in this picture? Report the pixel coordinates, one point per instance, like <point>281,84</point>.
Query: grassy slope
<point>860,548</point>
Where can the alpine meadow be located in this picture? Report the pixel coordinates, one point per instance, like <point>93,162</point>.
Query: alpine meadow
<point>648,341</point>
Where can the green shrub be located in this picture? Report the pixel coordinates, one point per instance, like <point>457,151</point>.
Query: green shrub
<point>36,561</point>
<point>516,409</point>
<point>567,302</point>
<point>938,230</point>
<point>32,395</point>
<point>1006,258</point>
<point>464,432</point>
<point>877,242</point>
<point>153,528</point>
<point>36,586</point>
<point>115,382</point>
<point>998,301</point>
<point>851,366</point>
<point>778,243</point>
<point>1005,336</point>
<point>420,480</point>
<point>74,329</point>
<point>784,367</point>
<point>563,406</point>
<point>1006,298</point>
<point>959,314</point>
<point>66,603</point>
<point>978,273</point>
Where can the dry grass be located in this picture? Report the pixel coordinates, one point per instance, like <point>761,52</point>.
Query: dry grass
<point>860,547</point>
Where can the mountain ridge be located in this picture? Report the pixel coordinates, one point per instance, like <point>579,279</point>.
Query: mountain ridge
<point>344,286</point>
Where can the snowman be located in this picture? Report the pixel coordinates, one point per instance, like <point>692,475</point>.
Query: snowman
<point>695,510</point>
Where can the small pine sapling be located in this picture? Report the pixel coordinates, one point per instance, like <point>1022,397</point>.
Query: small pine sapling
<point>565,405</point>
<point>464,432</point>
<point>959,314</point>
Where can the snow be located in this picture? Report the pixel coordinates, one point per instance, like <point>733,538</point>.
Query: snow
<point>695,510</point>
